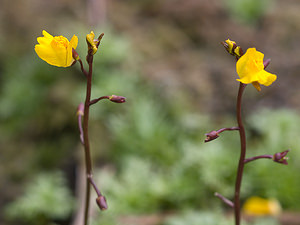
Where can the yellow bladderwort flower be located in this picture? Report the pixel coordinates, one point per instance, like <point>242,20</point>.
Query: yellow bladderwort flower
<point>250,68</point>
<point>56,51</point>
<point>256,206</point>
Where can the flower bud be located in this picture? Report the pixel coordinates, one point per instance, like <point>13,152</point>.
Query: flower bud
<point>101,202</point>
<point>266,63</point>
<point>75,55</point>
<point>117,99</point>
<point>280,157</point>
<point>80,109</point>
<point>93,43</point>
<point>232,48</point>
<point>211,136</point>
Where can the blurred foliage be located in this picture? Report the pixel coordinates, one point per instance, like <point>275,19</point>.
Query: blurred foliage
<point>209,218</point>
<point>186,174</point>
<point>46,197</point>
<point>187,217</point>
<point>248,11</point>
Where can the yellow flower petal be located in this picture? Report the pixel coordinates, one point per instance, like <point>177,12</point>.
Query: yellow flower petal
<point>74,41</point>
<point>250,69</point>
<point>256,85</point>
<point>266,78</point>
<point>56,51</point>
<point>47,54</point>
<point>47,35</point>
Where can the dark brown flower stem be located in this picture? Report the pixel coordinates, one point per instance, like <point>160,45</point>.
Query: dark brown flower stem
<point>88,161</point>
<point>237,210</point>
<point>258,157</point>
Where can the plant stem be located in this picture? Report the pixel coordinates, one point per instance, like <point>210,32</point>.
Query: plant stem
<point>225,200</point>
<point>82,68</point>
<point>237,210</point>
<point>88,162</point>
<point>94,101</point>
<point>94,186</point>
<point>228,129</point>
<point>258,157</point>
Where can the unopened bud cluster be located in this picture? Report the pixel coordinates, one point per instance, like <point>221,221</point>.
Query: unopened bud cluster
<point>232,48</point>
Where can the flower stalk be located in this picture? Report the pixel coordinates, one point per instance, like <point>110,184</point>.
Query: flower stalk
<point>88,161</point>
<point>58,51</point>
<point>258,157</point>
<point>237,208</point>
<point>251,69</point>
<point>215,134</point>
<point>225,200</point>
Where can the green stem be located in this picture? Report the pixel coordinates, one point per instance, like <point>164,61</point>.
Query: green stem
<point>88,162</point>
<point>237,208</point>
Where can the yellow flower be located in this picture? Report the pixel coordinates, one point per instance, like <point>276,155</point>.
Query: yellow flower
<point>250,68</point>
<point>257,206</point>
<point>56,51</point>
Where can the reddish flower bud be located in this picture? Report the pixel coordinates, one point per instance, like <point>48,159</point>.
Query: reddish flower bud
<point>101,202</point>
<point>280,157</point>
<point>117,99</point>
<point>211,136</point>
<point>80,109</point>
<point>75,54</point>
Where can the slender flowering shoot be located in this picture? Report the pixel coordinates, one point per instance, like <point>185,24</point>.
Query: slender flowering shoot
<point>59,51</point>
<point>250,68</point>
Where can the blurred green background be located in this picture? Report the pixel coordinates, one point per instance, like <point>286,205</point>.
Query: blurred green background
<point>149,157</point>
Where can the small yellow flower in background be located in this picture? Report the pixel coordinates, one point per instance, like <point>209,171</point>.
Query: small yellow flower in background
<point>256,206</point>
<point>250,68</point>
<point>56,51</point>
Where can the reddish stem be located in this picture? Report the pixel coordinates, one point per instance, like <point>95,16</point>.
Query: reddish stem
<point>227,129</point>
<point>98,99</point>
<point>258,157</point>
<point>237,210</point>
<point>88,161</point>
<point>82,68</point>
